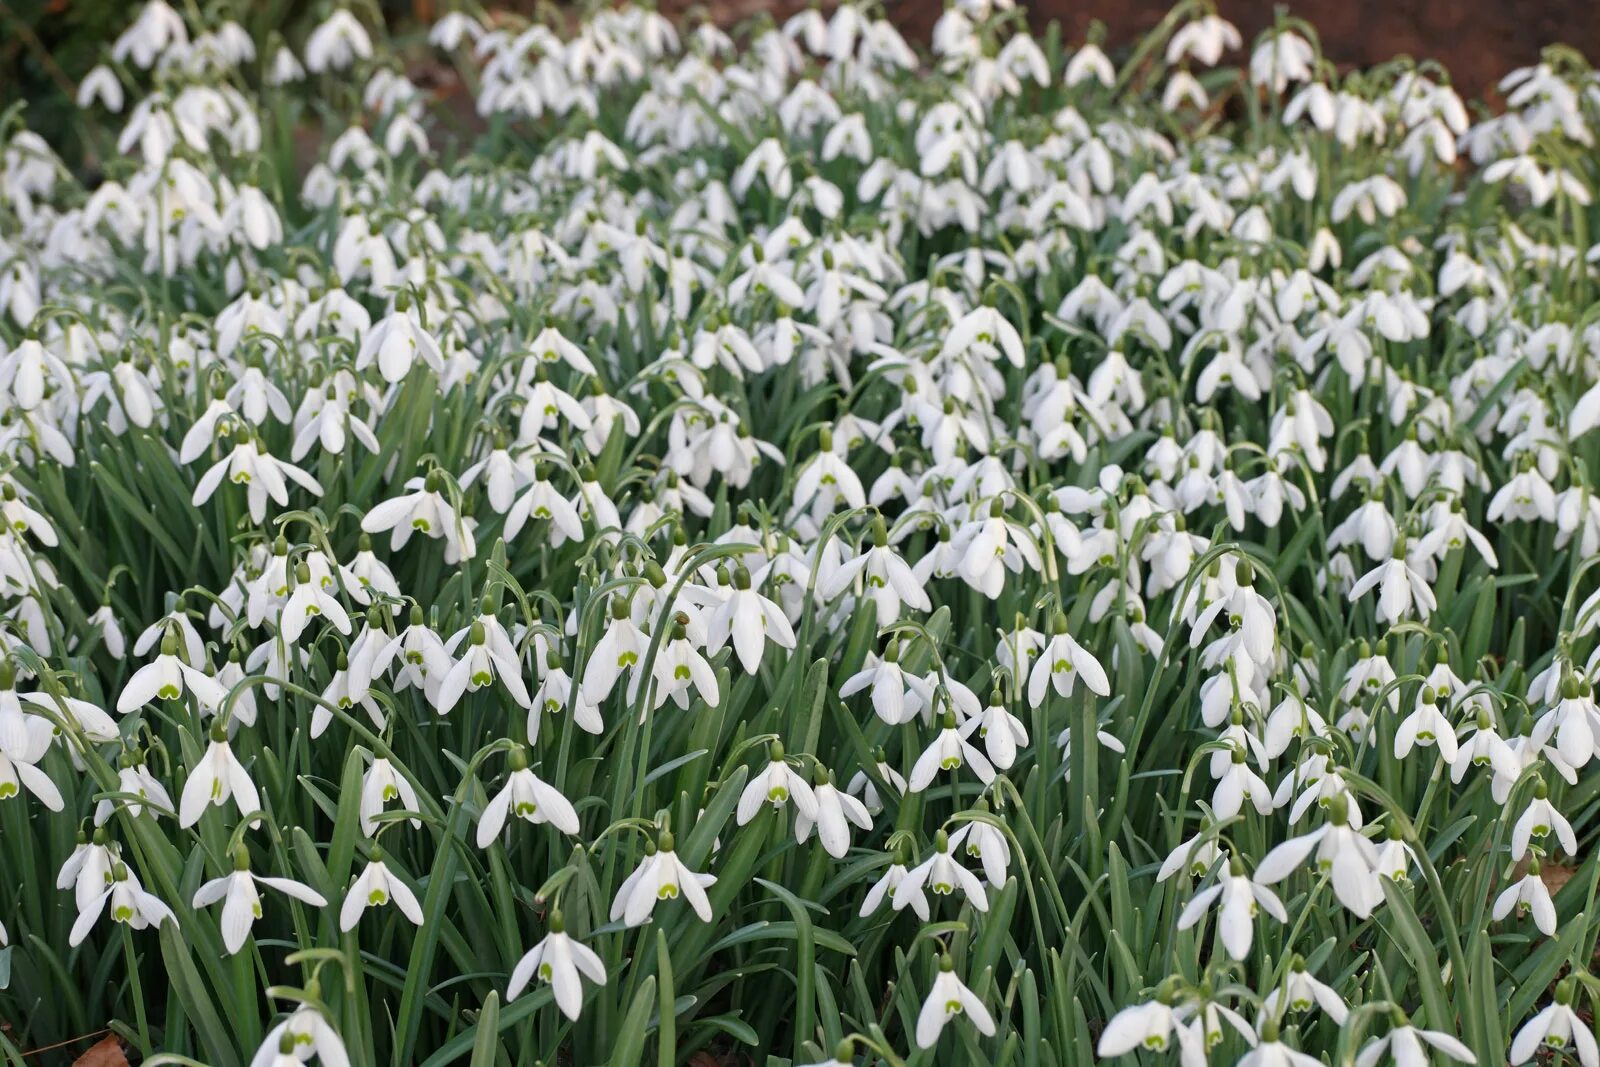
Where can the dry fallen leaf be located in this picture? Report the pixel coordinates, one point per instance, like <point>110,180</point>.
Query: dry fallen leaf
<point>107,1052</point>
<point>1555,875</point>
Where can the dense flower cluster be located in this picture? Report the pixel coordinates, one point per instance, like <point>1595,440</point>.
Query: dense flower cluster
<point>798,544</point>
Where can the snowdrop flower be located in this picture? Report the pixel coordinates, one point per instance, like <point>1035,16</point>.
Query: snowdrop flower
<point>558,960</point>
<point>1238,784</point>
<point>1240,897</point>
<point>264,476</point>
<point>1537,820</point>
<point>382,785</point>
<point>1409,1046</point>
<point>947,998</point>
<point>1086,63</point>
<point>18,768</point>
<point>241,905</point>
<point>1557,1027</point>
<point>776,784</point>
<point>1270,1051</point>
<point>748,617</point>
<point>1002,732</point>
<point>888,581</point>
<point>1528,894</point>
<point>832,813</point>
<point>1204,39</point>
<point>397,342</point>
<point>310,600</point>
<point>424,508</point>
<point>620,649</point>
<point>101,84</point>
<point>1350,859</point>
<point>134,778</point>
<point>128,903</point>
<point>479,667</point>
<point>1061,661</point>
<point>1280,59</point>
<point>948,752</point>
<point>527,797</point>
<point>941,875</point>
<point>985,843</point>
<point>860,784</point>
<point>157,29</point>
<point>1402,590</point>
<point>680,671</point>
<point>373,888</point>
<point>888,884</point>
<point>1426,726</point>
<point>1148,1025</point>
<point>662,876</point>
<point>216,779</point>
<point>897,696</point>
<point>167,678</point>
<point>337,43</point>
<point>305,1033</point>
<point>1301,991</point>
<point>1196,855</point>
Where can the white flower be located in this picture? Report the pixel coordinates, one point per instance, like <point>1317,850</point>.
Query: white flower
<point>241,905</point>
<point>776,783</point>
<point>527,797</point>
<point>1537,820</point>
<point>337,43</point>
<point>424,508</point>
<point>558,960</point>
<point>1528,893</point>
<point>832,812</point>
<point>662,876</point>
<point>1350,859</point>
<point>373,888</point>
<point>1408,1046</point>
<point>1559,1028</point>
<point>167,678</point>
<point>1148,1026</point>
<point>1301,990</point>
<point>263,475</point>
<point>480,666</point>
<point>1061,662</point>
<point>887,886</point>
<point>948,752</point>
<point>680,671</point>
<point>1240,897</point>
<point>987,844</point>
<point>947,998</point>
<point>749,618</point>
<point>305,1033</point>
<point>129,904</point>
<point>897,696</point>
<point>216,779</point>
<point>379,786</point>
<point>941,874</point>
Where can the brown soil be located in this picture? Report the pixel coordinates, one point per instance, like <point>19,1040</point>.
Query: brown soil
<point>1478,41</point>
